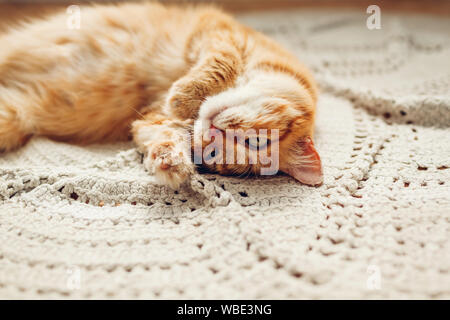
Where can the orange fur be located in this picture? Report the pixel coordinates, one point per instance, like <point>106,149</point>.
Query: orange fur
<point>148,68</point>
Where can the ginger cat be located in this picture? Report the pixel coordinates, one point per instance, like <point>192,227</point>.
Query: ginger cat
<point>161,74</point>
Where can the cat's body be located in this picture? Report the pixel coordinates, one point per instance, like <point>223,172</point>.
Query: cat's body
<point>150,71</point>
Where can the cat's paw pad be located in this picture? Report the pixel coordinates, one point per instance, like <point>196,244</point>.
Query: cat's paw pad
<point>170,164</point>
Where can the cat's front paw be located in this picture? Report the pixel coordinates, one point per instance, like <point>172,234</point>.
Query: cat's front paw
<point>170,163</point>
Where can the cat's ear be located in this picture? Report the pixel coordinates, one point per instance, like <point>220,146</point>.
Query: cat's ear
<point>305,164</point>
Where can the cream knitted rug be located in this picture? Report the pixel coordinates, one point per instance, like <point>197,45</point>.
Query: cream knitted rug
<point>89,222</point>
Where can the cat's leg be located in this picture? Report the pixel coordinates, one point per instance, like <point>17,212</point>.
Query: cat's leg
<point>166,146</point>
<point>216,57</point>
<point>213,75</point>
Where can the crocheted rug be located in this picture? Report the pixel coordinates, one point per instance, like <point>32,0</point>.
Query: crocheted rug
<point>89,222</point>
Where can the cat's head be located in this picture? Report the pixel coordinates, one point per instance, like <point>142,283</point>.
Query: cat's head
<point>263,124</point>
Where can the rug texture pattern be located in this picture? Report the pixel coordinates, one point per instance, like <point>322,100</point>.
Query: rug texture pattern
<point>89,222</point>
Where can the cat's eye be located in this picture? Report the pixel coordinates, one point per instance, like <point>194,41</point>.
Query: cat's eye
<point>256,143</point>
<point>211,155</point>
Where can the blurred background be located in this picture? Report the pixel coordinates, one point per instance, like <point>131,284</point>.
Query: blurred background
<point>12,10</point>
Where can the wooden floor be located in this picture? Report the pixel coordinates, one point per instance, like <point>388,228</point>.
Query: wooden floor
<point>11,13</point>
